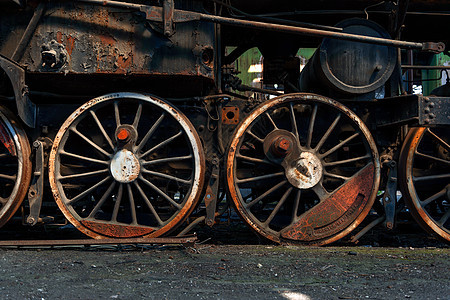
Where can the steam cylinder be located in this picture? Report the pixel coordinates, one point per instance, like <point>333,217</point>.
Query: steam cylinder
<point>349,68</point>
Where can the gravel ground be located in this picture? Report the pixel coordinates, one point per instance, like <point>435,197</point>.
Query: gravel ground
<point>225,272</point>
<point>230,263</point>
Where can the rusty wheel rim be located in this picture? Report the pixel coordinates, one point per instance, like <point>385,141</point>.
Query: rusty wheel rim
<point>425,178</point>
<point>15,171</point>
<point>126,165</point>
<point>321,140</point>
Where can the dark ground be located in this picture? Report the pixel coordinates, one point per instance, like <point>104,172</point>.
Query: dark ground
<point>229,263</point>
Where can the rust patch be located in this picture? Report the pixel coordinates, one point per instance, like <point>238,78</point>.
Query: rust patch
<point>106,39</point>
<point>230,115</point>
<point>70,44</point>
<point>336,212</point>
<point>124,63</point>
<point>59,36</point>
<point>117,231</point>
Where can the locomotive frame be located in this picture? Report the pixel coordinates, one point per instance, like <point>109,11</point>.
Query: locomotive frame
<point>166,132</point>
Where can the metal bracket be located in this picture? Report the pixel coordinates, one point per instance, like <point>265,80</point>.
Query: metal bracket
<point>390,195</point>
<point>168,9</point>
<point>212,191</point>
<point>35,192</point>
<point>25,108</point>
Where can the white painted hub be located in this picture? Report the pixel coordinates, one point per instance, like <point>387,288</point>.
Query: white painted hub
<point>125,166</point>
<point>305,172</point>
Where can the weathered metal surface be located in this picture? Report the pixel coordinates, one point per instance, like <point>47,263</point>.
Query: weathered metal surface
<point>336,212</point>
<point>414,110</point>
<point>331,214</point>
<point>36,190</point>
<point>16,74</point>
<point>15,168</point>
<point>142,205</point>
<point>230,115</point>
<point>346,67</point>
<point>425,179</point>
<point>107,40</point>
<point>125,167</point>
<point>145,241</point>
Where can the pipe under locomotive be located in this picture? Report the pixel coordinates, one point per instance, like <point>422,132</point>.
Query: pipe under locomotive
<point>132,117</point>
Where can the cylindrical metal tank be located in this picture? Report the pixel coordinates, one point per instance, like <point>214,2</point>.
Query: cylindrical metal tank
<point>350,67</point>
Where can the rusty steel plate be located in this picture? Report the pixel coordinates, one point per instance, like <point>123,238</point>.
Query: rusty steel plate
<point>15,165</point>
<point>424,174</point>
<point>303,169</point>
<point>126,165</point>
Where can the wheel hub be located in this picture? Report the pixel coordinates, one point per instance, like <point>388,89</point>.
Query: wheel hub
<point>125,167</point>
<point>304,172</point>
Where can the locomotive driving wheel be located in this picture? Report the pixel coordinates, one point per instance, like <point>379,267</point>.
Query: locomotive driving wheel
<point>15,165</point>
<point>302,169</point>
<point>425,178</point>
<point>126,165</point>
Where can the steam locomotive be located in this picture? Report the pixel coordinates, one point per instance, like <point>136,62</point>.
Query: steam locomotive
<point>133,118</point>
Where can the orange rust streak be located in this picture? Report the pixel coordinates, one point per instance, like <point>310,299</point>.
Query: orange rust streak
<point>70,44</point>
<point>59,36</point>
<point>117,231</point>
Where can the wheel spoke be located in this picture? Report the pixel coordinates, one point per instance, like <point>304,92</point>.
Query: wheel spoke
<point>249,132</point>
<point>265,194</point>
<point>167,176</point>
<point>167,141</point>
<point>444,218</point>
<point>132,205</point>
<point>438,139</point>
<point>87,140</point>
<point>102,129</point>
<point>430,177</point>
<point>252,179</point>
<point>149,204</point>
<point>117,203</point>
<point>346,161</point>
<point>311,127</point>
<point>339,145</point>
<point>83,174</point>
<point>150,132</point>
<point>102,200</point>
<point>86,192</point>
<point>4,155</point>
<point>433,197</point>
<point>335,176</point>
<point>296,204</point>
<point>164,195</point>
<point>327,133</point>
<point>255,160</point>
<point>320,191</point>
<point>278,206</point>
<point>166,160</point>
<point>137,118</point>
<point>443,161</point>
<point>116,113</point>
<point>271,120</point>
<point>8,177</point>
<point>80,157</point>
<point>294,121</point>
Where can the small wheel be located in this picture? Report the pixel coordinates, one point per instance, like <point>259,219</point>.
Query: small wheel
<point>15,165</point>
<point>303,169</point>
<point>126,165</point>
<point>425,178</point>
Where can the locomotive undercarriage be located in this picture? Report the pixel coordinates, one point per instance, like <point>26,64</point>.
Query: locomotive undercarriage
<point>136,160</point>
